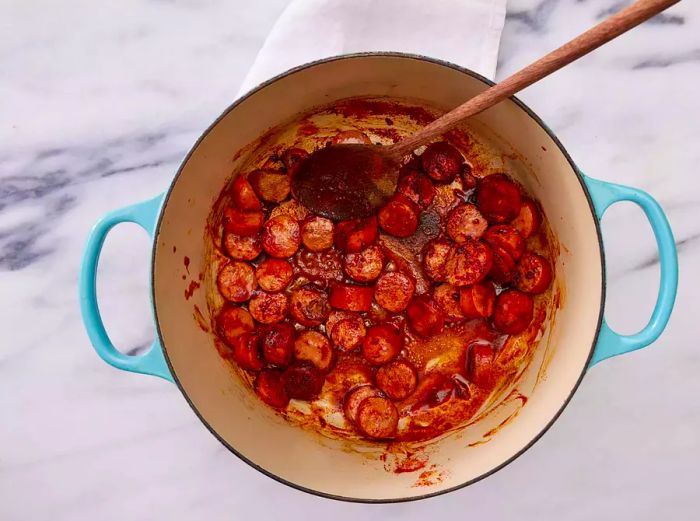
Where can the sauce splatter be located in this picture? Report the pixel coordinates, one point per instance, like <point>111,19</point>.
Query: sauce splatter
<point>186,262</point>
<point>189,291</point>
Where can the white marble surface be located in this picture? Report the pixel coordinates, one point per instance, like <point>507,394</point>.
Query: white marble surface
<point>99,101</point>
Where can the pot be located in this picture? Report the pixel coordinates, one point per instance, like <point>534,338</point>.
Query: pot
<point>574,338</point>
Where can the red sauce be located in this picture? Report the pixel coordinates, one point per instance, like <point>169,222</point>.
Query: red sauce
<point>189,291</point>
<point>186,262</point>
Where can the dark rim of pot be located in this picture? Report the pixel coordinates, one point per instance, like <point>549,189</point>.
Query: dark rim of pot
<point>532,115</point>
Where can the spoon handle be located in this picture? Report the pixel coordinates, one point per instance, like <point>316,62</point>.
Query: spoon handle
<point>610,28</point>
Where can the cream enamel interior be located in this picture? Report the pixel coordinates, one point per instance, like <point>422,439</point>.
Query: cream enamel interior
<point>306,459</point>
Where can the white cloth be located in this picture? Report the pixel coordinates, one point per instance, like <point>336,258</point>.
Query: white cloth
<point>464,32</point>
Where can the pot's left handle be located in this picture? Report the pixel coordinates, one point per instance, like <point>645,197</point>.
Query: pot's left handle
<point>151,362</point>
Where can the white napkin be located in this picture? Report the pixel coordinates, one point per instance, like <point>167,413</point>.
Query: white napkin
<point>464,32</point>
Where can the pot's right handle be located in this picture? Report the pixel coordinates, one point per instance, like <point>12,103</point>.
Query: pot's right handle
<point>610,343</point>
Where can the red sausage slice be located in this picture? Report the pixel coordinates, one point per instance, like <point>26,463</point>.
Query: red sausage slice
<point>503,268</point>
<point>382,344</point>
<point>232,322</point>
<point>514,311</point>
<point>442,161</point>
<point>507,238</point>
<point>355,397</point>
<point>377,417</point>
<point>274,274</point>
<point>278,344</point>
<point>529,219</point>
<point>465,222</point>
<point>242,222</point>
<point>435,258</point>
<point>270,185</point>
<point>268,308</point>
<point>348,333</point>
<point>317,233</point>
<point>394,291</point>
<point>336,316</point>
<point>533,274</point>
<point>397,379</point>
<point>246,352</point>
<point>468,263</point>
<point>243,248</point>
<point>303,380</point>
<point>416,187</point>
<point>355,235</point>
<point>351,298</point>
<point>309,306</point>
<point>424,316</point>
<point>480,364</point>
<point>399,216</point>
<point>447,298</point>
<point>366,265</point>
<point>243,195</point>
<point>269,386</point>
<point>351,137</point>
<point>498,198</point>
<point>322,266</point>
<point>236,281</point>
<point>312,346</point>
<point>468,179</point>
<point>477,300</point>
<point>281,236</point>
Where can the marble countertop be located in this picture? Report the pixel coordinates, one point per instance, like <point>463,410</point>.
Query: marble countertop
<point>99,102</point>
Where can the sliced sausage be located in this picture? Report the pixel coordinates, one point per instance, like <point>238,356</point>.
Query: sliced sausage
<point>349,372</point>
<point>241,247</point>
<point>441,161</point>
<point>506,237</point>
<point>529,219</point>
<point>312,346</point>
<point>468,263</point>
<point>350,297</point>
<point>320,266</point>
<point>278,344</point>
<point>242,222</point>
<point>417,187</point>
<point>533,273</point>
<point>382,344</point>
<point>291,158</point>
<point>447,298</point>
<point>355,235</point>
<point>309,305</point>
<point>336,316</point>
<point>477,300</point>
<point>397,379</point>
<point>269,386</point>
<point>435,258</point>
<point>498,198</point>
<point>513,312</point>
<point>355,397</point>
<point>317,233</point>
<point>465,222</point>
<point>480,364</point>
<point>377,417</point>
<point>351,137</point>
<point>468,179</point>
<point>399,216</point>
<point>394,291</point>
<point>366,265</point>
<point>424,316</point>
<point>433,389</point>
<point>270,185</point>
<point>236,281</point>
<point>268,308</point>
<point>232,322</point>
<point>303,380</point>
<point>503,268</point>
<point>274,274</point>
<point>246,351</point>
<point>348,333</point>
<point>292,208</point>
<point>281,236</point>
<point>243,195</point>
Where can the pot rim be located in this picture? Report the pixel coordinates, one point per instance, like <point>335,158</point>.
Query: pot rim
<point>351,56</point>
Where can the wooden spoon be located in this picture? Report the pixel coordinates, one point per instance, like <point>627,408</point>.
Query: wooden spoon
<point>351,181</point>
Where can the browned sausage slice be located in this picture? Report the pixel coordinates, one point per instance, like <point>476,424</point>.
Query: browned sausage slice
<point>355,235</point>
<point>397,379</point>
<point>236,281</point>
<point>336,316</point>
<point>278,344</point>
<point>274,274</point>
<point>529,219</point>
<point>468,179</point>
<point>377,417</point>
<point>355,397</point>
<point>312,346</point>
<point>281,236</point>
<point>243,248</point>
<point>399,216</point>
<point>270,185</point>
<point>232,322</point>
<point>468,263</point>
<point>417,187</point>
<point>435,258</point>
<point>446,296</point>
<point>477,300</point>
<point>382,344</point>
<point>242,222</point>
<point>323,266</point>
<point>506,237</point>
<point>465,222</point>
<point>514,311</point>
<point>317,233</point>
<point>350,297</point>
<point>246,351</point>
<point>442,161</point>
<point>243,195</point>
<point>480,364</point>
<point>366,265</point>
<point>309,306</point>
<point>498,198</point>
<point>394,291</point>
<point>533,274</point>
<point>503,268</point>
<point>425,317</point>
<point>348,333</point>
<point>268,308</point>
<point>303,380</point>
<point>269,386</point>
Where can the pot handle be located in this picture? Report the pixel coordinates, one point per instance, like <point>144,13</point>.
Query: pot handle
<point>152,362</point>
<point>610,343</point>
